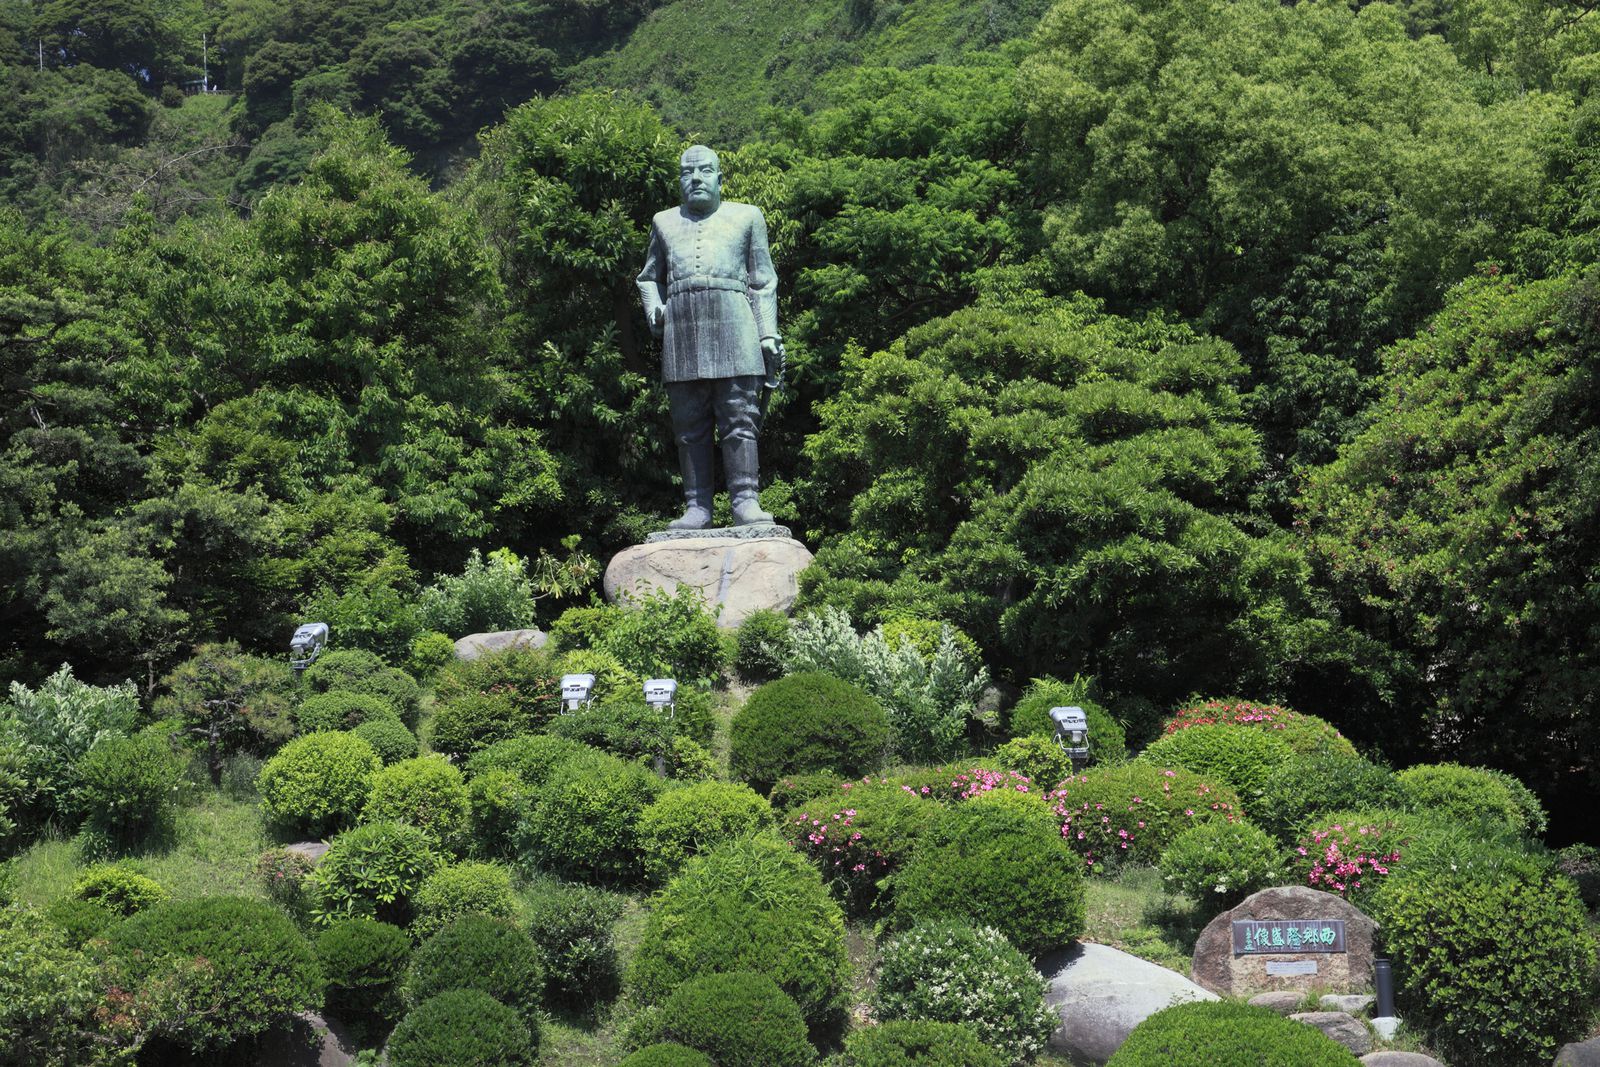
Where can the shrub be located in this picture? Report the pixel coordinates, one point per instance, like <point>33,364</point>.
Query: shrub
<point>584,823</point>
<point>1036,757</point>
<point>583,627</point>
<point>1132,812</point>
<point>1306,734</point>
<point>760,644</point>
<point>118,889</point>
<point>372,870</point>
<point>748,905</point>
<point>430,652</point>
<point>807,722</point>
<point>234,701</point>
<point>81,920</point>
<point>995,865</point>
<point>533,758</point>
<point>342,669</point>
<point>488,595</point>
<point>1313,785</point>
<point>398,689</point>
<point>926,635</point>
<point>859,837</point>
<point>50,730</point>
<point>1494,971</point>
<point>612,681</point>
<point>483,953</point>
<point>1225,1033</point>
<point>364,961</point>
<point>629,728</point>
<point>959,781</point>
<point>741,1018</point>
<point>318,782</point>
<point>498,800</point>
<point>229,951</point>
<point>283,875</point>
<point>470,888</point>
<point>1451,791</point>
<point>688,821</point>
<point>572,926</point>
<point>918,1043</point>
<point>389,738</point>
<point>426,792</point>
<point>1031,717</point>
<point>342,709</point>
<point>1242,760</point>
<point>470,722</point>
<point>524,683</point>
<point>667,1054</point>
<point>668,635</point>
<point>795,790</point>
<point>50,994</point>
<point>951,972</point>
<point>463,1027</point>
<point>126,785</point>
<point>691,761</point>
<point>1221,863</point>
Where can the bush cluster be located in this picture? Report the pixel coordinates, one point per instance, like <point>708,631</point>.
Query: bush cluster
<point>1313,785</point>
<point>319,782</point>
<point>372,870</point>
<point>478,952</point>
<point>1467,794</point>
<point>739,1018</point>
<point>463,1026</point>
<point>1036,757</point>
<point>494,697</point>
<point>1225,1033</point>
<point>1220,863</point>
<point>343,668</point>
<point>585,821</point>
<point>469,888</point>
<point>627,727</point>
<point>283,874</point>
<point>1306,734</point>
<point>1242,760</point>
<point>807,722</point>
<point>1111,815</point>
<point>364,962</point>
<point>667,635</point>
<point>952,972</point>
<point>859,836</point>
<point>695,818</point>
<point>427,792</point>
<point>919,1043</point>
<point>573,927</point>
<point>1031,717</point>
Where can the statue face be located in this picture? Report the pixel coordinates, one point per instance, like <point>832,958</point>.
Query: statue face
<point>700,180</point>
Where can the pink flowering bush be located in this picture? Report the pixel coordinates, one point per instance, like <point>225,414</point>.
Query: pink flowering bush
<point>1133,811</point>
<point>1350,856</point>
<point>1303,733</point>
<point>859,835</point>
<point>956,781</point>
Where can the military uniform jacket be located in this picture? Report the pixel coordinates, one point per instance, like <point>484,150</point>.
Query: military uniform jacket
<point>714,277</point>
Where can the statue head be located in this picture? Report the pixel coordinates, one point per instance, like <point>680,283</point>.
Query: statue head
<point>700,179</point>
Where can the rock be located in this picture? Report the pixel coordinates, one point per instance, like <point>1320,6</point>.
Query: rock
<point>310,1041</point>
<point>1399,1059</point>
<point>472,646</point>
<point>1101,994</point>
<point>1386,1026</point>
<point>311,850</point>
<point>740,575</point>
<point>1580,1054</point>
<point>1284,1001</point>
<point>1217,968</point>
<point>1354,1004</point>
<point>1341,1026</point>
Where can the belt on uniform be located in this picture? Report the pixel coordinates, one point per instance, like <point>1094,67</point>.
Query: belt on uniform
<point>702,282</point>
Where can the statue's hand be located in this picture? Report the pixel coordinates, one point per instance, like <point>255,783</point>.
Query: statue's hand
<point>658,321</point>
<point>773,355</point>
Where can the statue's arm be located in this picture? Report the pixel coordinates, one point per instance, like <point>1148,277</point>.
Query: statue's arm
<point>653,281</point>
<point>763,279</point>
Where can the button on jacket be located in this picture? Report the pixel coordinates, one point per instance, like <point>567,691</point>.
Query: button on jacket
<point>714,276</point>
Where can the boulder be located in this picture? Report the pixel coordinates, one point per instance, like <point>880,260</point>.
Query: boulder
<point>1343,1027</point>
<point>1354,1004</point>
<point>1580,1054</point>
<point>1101,994</point>
<point>472,646</point>
<point>1283,1001</point>
<point>308,1041</point>
<point>741,575</point>
<point>311,850</point>
<point>1399,1059</point>
<point>1218,968</point>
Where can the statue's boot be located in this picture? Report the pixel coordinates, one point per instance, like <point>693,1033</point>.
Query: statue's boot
<point>739,458</point>
<point>695,461</point>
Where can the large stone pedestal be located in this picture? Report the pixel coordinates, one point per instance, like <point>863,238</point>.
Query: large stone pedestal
<point>742,573</point>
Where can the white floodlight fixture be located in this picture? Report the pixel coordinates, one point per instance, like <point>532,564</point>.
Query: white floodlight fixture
<point>661,693</point>
<point>576,690</point>
<point>307,644</point>
<point>1072,731</point>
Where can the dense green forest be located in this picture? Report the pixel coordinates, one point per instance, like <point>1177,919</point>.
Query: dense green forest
<point>1191,346</point>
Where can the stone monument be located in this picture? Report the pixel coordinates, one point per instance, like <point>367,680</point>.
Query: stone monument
<point>1290,937</point>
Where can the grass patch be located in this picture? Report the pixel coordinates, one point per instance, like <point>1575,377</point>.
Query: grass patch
<point>1133,911</point>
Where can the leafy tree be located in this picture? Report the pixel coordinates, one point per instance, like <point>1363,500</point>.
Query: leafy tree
<point>232,700</point>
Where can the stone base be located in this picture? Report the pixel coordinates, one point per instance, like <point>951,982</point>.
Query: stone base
<point>739,573</point>
<point>743,533</point>
<point>1102,993</point>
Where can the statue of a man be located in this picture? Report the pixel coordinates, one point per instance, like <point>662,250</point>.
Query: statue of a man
<point>711,296</point>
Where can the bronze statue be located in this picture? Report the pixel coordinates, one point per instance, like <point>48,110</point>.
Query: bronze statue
<point>711,297</point>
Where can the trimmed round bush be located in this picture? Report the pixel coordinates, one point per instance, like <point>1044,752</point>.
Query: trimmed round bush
<point>612,681</point>
<point>256,963</point>
<point>807,722</point>
<point>430,652</point>
<point>749,905</point>
<point>1220,863</point>
<point>1313,785</point>
<point>760,645</point>
<point>498,800</point>
<point>926,635</point>
<point>1242,760</point>
<point>919,1043</point>
<point>585,822</point>
<point>426,792</point>
<point>81,920</point>
<point>389,738</point>
<point>126,785</point>
<point>118,889</point>
<point>572,925</point>
<point>463,1028</point>
<point>470,888</point>
<point>1224,1033</point>
<point>995,865</point>
<point>1460,941</point>
<point>364,961</point>
<point>1451,791</point>
<point>667,1054</point>
<point>1036,757</point>
<point>688,821</point>
<point>1111,815</point>
<point>319,782</point>
<point>859,837</point>
<point>372,870</point>
<point>342,669</point>
<point>342,709</point>
<point>1306,734</point>
<point>741,1018</point>
<point>396,688</point>
<point>952,972</point>
<point>628,727</point>
<point>1031,717</point>
<point>482,953</point>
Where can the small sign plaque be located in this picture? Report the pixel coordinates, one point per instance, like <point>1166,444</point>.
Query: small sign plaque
<point>1278,937</point>
<point>1282,968</point>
